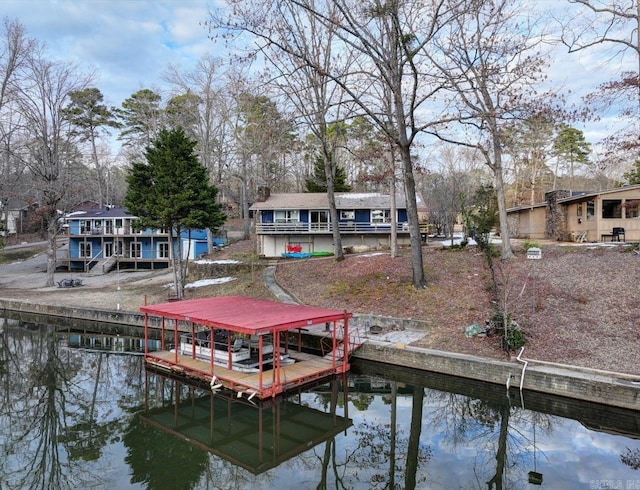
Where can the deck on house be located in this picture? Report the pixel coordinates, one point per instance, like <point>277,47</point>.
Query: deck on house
<point>247,316</point>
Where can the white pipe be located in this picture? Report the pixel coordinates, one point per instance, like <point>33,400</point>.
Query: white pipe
<point>524,368</point>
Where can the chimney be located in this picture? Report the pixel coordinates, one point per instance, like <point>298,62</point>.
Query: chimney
<point>263,193</point>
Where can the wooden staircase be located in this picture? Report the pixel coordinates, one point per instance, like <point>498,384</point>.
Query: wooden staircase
<point>103,266</point>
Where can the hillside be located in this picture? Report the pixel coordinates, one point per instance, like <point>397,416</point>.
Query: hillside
<point>578,305</point>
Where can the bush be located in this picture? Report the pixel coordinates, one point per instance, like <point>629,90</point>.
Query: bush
<point>528,245</point>
<point>512,337</point>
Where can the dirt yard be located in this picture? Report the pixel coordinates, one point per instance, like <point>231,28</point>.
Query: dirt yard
<point>578,305</point>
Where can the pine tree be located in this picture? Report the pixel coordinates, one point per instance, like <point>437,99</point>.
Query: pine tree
<point>90,118</point>
<point>571,147</point>
<point>171,191</point>
<point>318,182</point>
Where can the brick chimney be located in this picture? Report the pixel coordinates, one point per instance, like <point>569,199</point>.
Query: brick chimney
<point>263,193</point>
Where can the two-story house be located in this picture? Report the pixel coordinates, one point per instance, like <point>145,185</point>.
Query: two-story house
<point>101,239</point>
<point>300,222</point>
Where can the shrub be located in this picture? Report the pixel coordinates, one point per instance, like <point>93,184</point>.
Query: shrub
<point>512,337</point>
<point>528,245</point>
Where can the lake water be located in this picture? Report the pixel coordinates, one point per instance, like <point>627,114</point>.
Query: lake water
<point>74,416</point>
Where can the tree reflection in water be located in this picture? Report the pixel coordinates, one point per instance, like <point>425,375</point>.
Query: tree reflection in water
<point>49,412</point>
<point>73,418</point>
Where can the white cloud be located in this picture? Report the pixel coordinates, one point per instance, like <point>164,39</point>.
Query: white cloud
<point>128,43</point>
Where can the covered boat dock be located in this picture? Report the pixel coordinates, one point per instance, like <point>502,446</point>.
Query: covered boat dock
<point>273,329</point>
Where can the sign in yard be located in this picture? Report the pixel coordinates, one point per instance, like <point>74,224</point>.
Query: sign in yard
<point>534,253</point>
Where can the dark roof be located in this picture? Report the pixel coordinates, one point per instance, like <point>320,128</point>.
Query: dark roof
<point>110,212</point>
<point>344,200</point>
<point>245,315</point>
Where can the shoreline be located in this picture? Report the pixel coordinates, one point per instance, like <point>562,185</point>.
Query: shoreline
<point>518,374</point>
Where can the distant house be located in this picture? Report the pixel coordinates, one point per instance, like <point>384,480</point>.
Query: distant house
<point>101,239</point>
<point>612,214</point>
<point>16,216</point>
<point>300,222</point>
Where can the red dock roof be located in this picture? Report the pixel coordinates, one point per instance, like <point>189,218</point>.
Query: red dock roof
<point>245,315</point>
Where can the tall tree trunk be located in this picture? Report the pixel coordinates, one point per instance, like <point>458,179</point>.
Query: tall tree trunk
<point>507,252</point>
<point>394,206</point>
<point>417,264</point>
<point>329,170</point>
<point>175,247</point>
<point>52,235</point>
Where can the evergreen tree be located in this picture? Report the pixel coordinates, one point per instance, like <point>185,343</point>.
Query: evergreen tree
<point>90,118</point>
<point>171,191</point>
<point>571,147</point>
<point>318,182</point>
<point>141,117</point>
<point>633,175</point>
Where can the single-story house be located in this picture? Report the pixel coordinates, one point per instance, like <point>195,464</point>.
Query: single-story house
<point>16,216</point>
<point>301,223</point>
<point>105,238</point>
<point>612,214</point>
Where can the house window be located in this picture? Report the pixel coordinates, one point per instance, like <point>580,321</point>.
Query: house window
<point>85,249</point>
<point>591,209</point>
<point>136,250</point>
<point>108,227</point>
<point>97,227</point>
<point>579,210</point>
<point>380,216</point>
<point>287,216</point>
<point>118,222</point>
<point>163,250</point>
<point>347,214</point>
<point>632,208</point>
<point>319,220</point>
<point>85,226</point>
<point>611,208</point>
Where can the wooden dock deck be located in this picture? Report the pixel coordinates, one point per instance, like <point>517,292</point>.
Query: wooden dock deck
<point>307,368</point>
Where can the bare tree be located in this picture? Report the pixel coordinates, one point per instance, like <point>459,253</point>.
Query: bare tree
<point>15,49</point>
<point>314,95</point>
<point>450,189</point>
<point>489,56</point>
<point>211,120</point>
<point>50,153</point>
<point>613,24</point>
<point>529,143</point>
<point>389,41</point>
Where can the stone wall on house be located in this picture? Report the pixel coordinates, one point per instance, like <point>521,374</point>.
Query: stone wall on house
<point>513,222</point>
<point>556,216</point>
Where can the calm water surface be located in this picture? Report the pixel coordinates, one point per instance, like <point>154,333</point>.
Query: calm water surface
<point>74,416</point>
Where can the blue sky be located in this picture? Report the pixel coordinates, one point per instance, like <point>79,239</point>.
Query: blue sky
<point>129,44</point>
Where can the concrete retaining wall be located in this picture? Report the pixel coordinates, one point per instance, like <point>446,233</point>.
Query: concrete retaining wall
<point>89,314</point>
<point>606,388</point>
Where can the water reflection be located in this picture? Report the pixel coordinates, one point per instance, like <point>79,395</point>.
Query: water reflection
<point>72,417</point>
<point>57,412</point>
<point>256,436</point>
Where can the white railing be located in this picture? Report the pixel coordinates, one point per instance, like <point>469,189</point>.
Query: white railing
<point>344,227</point>
<point>95,258</point>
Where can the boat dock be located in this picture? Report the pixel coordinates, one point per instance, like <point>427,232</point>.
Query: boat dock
<point>261,330</point>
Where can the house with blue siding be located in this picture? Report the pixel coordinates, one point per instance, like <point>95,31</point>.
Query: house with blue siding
<point>301,223</point>
<point>105,238</point>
